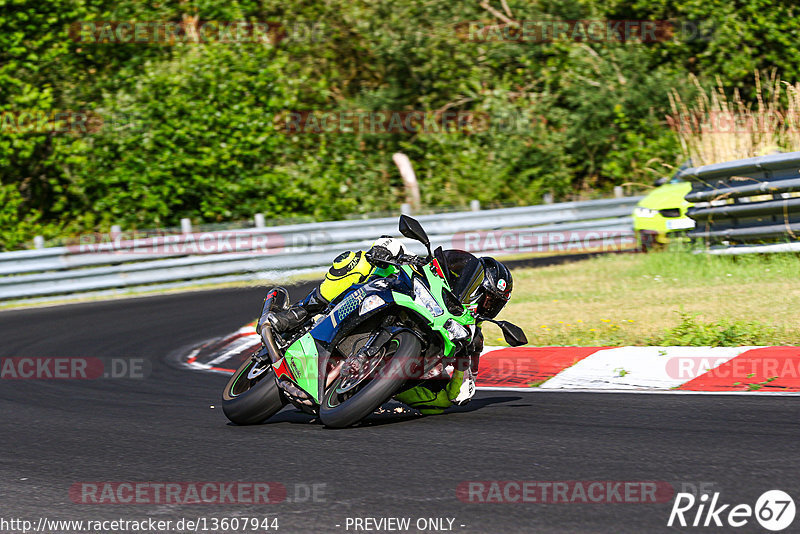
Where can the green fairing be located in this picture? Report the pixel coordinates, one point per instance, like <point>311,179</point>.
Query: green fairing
<point>388,271</point>
<point>303,359</point>
<point>437,323</point>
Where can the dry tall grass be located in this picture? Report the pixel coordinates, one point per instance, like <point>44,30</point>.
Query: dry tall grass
<point>715,128</point>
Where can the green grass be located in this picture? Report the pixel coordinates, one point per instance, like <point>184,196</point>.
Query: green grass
<point>671,297</point>
<point>691,331</point>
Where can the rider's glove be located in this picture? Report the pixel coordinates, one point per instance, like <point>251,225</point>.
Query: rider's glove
<point>469,354</point>
<point>379,255</point>
<point>383,250</point>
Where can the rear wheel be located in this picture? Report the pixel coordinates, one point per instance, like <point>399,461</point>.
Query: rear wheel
<point>348,401</point>
<point>252,395</point>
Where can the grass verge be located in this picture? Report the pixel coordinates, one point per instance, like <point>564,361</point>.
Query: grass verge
<point>671,297</point>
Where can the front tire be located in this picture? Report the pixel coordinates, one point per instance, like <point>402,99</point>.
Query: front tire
<point>250,401</point>
<point>336,413</point>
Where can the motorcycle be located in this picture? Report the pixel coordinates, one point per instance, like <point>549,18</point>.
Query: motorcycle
<point>400,328</point>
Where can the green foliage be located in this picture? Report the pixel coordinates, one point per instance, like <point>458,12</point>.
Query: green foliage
<point>194,140</point>
<point>15,226</point>
<point>193,130</point>
<point>691,331</point>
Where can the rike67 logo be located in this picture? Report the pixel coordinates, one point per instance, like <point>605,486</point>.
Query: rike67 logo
<point>774,510</point>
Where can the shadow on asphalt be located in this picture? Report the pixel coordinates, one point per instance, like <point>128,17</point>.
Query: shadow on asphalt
<point>477,404</point>
<point>389,416</point>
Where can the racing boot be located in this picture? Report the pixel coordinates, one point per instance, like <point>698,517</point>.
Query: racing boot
<point>296,315</point>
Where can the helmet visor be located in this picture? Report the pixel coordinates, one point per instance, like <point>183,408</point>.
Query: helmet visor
<point>491,304</point>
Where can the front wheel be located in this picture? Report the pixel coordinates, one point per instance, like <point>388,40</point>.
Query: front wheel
<point>400,358</point>
<point>252,395</point>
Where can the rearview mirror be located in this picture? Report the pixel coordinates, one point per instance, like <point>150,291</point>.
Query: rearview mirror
<point>513,334</point>
<point>412,229</point>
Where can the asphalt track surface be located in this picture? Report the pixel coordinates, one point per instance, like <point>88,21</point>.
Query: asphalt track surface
<point>54,433</point>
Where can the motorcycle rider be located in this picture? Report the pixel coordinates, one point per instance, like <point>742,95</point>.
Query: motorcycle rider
<point>483,284</point>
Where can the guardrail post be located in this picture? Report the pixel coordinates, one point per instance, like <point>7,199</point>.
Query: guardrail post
<point>405,208</point>
<point>409,179</point>
<point>475,205</point>
<point>186,226</point>
<point>548,198</point>
<point>618,192</point>
<point>38,242</point>
<point>259,220</point>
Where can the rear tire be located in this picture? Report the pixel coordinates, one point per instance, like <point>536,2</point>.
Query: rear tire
<point>377,391</point>
<point>251,401</point>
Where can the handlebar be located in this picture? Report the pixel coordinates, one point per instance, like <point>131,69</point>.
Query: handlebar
<point>411,259</point>
<point>399,260</point>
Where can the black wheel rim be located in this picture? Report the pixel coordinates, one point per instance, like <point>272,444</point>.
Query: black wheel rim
<point>334,398</point>
<point>243,382</point>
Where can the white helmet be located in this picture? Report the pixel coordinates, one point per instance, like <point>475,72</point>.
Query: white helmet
<point>389,243</point>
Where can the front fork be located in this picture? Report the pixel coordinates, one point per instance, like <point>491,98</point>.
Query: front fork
<point>358,366</point>
<point>354,364</point>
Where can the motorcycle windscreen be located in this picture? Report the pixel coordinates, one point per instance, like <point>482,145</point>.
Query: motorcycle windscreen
<point>301,365</point>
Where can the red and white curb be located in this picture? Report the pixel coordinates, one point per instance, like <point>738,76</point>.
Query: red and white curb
<point>627,369</point>
<point>676,369</point>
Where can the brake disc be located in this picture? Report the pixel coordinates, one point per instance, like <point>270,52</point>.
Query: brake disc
<point>356,369</point>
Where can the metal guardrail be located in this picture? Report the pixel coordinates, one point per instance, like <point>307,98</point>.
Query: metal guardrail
<point>746,206</point>
<point>91,265</point>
